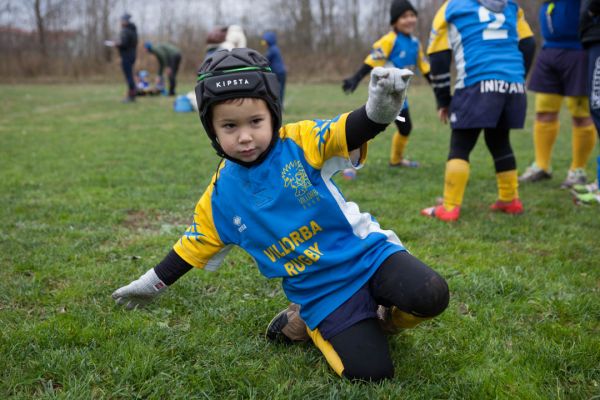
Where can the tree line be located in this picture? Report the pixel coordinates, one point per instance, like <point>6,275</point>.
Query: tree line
<point>319,39</point>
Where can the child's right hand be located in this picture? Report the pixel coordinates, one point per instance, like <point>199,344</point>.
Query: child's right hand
<point>387,91</point>
<point>141,291</point>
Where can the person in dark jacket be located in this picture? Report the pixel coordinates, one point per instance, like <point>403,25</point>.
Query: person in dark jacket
<point>169,58</point>
<point>127,46</point>
<point>589,32</point>
<point>273,54</point>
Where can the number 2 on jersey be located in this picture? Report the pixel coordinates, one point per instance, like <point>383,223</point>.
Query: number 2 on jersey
<point>493,31</point>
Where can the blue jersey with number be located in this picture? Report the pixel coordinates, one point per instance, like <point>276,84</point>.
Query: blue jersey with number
<point>287,213</point>
<point>485,44</point>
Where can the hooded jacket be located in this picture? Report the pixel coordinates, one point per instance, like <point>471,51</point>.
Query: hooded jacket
<point>128,41</point>
<point>273,53</point>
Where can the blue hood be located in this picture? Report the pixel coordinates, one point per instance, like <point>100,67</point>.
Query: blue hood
<point>270,37</point>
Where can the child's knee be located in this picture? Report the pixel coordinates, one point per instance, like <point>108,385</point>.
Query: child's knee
<point>434,297</point>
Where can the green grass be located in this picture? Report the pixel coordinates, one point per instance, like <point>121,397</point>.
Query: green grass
<point>93,193</point>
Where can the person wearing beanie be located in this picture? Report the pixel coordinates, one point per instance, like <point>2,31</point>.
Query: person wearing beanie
<point>560,72</point>
<point>169,58</point>
<point>398,48</point>
<point>493,46</point>
<point>350,282</point>
<point>127,46</point>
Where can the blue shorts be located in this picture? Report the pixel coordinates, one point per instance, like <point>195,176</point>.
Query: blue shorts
<point>560,71</point>
<point>489,104</point>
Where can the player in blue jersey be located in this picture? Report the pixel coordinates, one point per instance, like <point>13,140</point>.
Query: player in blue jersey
<point>492,46</point>
<point>560,71</point>
<point>400,49</point>
<point>274,197</point>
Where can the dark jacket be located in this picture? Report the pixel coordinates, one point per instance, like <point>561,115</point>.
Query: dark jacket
<point>589,25</point>
<point>273,53</point>
<point>166,54</point>
<point>128,41</point>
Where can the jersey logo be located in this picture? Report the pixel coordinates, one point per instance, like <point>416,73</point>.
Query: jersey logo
<point>192,232</point>
<point>237,221</point>
<point>294,177</point>
<point>321,128</point>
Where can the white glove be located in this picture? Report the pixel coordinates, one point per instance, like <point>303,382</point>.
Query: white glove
<point>141,291</point>
<point>387,91</point>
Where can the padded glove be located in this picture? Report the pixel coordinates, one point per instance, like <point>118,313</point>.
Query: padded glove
<point>387,92</point>
<point>141,291</point>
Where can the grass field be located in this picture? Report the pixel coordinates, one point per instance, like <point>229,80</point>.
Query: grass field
<point>93,193</point>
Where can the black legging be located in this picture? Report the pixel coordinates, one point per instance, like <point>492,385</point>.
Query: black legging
<point>404,127</point>
<point>401,280</point>
<point>462,142</point>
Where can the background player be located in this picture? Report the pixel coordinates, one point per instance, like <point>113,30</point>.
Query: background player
<point>560,71</point>
<point>493,47</point>
<point>398,48</point>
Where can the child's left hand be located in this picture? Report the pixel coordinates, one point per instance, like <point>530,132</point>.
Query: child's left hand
<point>387,91</point>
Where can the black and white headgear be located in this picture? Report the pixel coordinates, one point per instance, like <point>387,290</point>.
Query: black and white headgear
<point>236,73</point>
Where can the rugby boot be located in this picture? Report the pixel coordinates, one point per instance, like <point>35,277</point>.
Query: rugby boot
<point>287,326</point>
<point>441,213</point>
<point>509,207</point>
<point>574,177</point>
<point>533,173</point>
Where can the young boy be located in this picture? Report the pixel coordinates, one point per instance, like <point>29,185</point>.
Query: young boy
<point>493,47</point>
<point>560,71</point>
<point>398,48</point>
<point>273,196</point>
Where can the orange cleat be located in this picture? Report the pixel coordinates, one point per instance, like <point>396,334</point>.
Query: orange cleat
<point>510,207</point>
<point>441,213</point>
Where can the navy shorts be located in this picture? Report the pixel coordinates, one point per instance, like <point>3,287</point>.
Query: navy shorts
<point>489,104</point>
<point>560,71</point>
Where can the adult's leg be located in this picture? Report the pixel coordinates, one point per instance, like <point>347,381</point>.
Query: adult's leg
<point>174,68</point>
<point>127,67</point>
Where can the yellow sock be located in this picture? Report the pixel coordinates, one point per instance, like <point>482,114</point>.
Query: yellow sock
<point>405,320</point>
<point>398,144</point>
<point>455,182</point>
<point>583,142</point>
<point>544,136</point>
<point>508,185</point>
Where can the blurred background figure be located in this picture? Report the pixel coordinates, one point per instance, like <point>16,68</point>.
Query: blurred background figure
<point>560,72</point>
<point>127,46</point>
<point>169,58</point>
<point>225,37</point>
<point>273,54</point>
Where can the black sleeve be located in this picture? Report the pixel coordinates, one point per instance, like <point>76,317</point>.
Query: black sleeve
<point>359,128</point>
<point>171,268</point>
<point>427,76</point>
<point>594,7</point>
<point>527,47</point>
<point>440,77</point>
<point>362,72</point>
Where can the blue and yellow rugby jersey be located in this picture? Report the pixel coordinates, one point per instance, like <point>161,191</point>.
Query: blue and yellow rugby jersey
<point>559,24</point>
<point>478,37</point>
<point>287,213</point>
<point>398,50</point>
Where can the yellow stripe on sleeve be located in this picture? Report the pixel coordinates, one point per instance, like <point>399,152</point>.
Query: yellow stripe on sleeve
<point>523,28</point>
<point>438,38</point>
<point>201,241</point>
